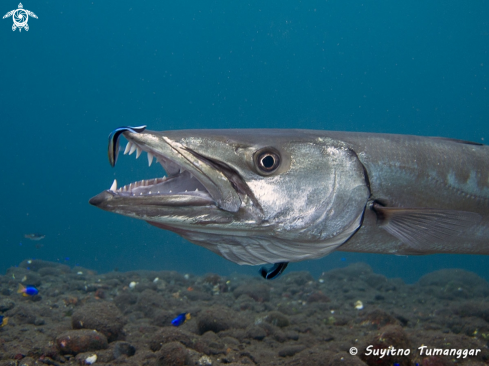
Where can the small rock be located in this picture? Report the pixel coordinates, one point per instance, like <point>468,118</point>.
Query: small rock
<point>205,361</point>
<point>299,278</point>
<point>291,350</point>
<point>196,295</point>
<point>345,359</point>
<point>168,335</point>
<point>78,341</point>
<point>125,300</point>
<point>23,314</point>
<point>318,296</point>
<point>388,336</point>
<point>278,319</point>
<point>378,318</point>
<point>163,318</point>
<point>6,304</point>
<point>123,348</point>
<point>255,332</point>
<point>102,316</point>
<point>219,318</point>
<point>258,292</point>
<point>172,354</point>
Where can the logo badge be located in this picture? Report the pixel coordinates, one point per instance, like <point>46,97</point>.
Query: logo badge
<point>20,17</point>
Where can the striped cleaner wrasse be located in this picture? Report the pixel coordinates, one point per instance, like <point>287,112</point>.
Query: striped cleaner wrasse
<point>278,196</point>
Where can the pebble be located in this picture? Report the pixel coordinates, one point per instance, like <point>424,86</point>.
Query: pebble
<point>172,354</point>
<point>291,350</point>
<point>83,340</point>
<point>123,348</point>
<point>103,316</point>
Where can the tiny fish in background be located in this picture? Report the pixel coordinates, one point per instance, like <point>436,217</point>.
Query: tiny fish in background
<point>3,321</point>
<point>180,319</point>
<point>35,237</point>
<point>27,291</point>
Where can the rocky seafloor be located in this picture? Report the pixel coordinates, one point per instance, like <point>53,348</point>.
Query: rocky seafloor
<point>81,317</point>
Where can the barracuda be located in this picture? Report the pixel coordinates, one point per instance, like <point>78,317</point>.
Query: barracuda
<point>279,196</point>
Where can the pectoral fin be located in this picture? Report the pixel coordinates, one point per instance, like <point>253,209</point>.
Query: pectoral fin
<point>418,226</point>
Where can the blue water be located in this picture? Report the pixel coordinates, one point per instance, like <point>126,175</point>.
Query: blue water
<point>84,68</point>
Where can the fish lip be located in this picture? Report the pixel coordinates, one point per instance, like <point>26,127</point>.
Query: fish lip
<point>177,160</point>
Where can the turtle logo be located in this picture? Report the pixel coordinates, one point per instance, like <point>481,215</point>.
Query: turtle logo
<point>20,17</point>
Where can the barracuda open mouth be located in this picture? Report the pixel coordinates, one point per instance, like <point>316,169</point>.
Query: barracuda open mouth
<point>183,183</point>
<point>191,177</point>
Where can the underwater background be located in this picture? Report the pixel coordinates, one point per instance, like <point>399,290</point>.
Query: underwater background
<point>87,67</point>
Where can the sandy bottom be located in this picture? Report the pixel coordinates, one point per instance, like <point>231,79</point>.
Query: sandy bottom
<point>348,316</point>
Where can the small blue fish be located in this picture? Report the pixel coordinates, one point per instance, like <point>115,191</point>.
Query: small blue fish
<point>180,319</point>
<point>27,291</point>
<point>274,272</point>
<point>3,321</point>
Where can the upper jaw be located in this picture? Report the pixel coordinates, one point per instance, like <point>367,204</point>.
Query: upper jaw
<point>191,180</point>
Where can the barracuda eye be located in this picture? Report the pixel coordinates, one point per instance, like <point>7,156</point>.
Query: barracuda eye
<point>267,160</point>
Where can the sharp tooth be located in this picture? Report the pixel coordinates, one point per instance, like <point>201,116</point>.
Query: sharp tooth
<point>196,189</point>
<point>128,147</point>
<point>156,181</point>
<point>133,148</point>
<point>138,152</point>
<point>113,187</point>
<point>150,158</point>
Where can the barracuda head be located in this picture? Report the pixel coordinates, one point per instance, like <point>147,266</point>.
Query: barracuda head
<point>252,196</point>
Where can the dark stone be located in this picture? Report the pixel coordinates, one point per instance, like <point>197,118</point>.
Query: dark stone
<point>452,284</point>
<point>163,318</point>
<point>149,302</point>
<point>78,341</point>
<point>6,304</point>
<point>318,296</point>
<point>278,319</point>
<point>291,350</point>
<point>292,334</point>
<point>32,279</point>
<point>172,354</point>
<point>141,287</point>
<point>169,335</point>
<point>218,318</point>
<point>258,292</point>
<point>378,318</point>
<point>123,348</point>
<point>102,316</point>
<point>298,278</point>
<point>23,314</point>
<point>316,356</point>
<point>196,295</point>
<point>255,332</point>
<point>345,359</point>
<point>388,336</point>
<point>125,300</point>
